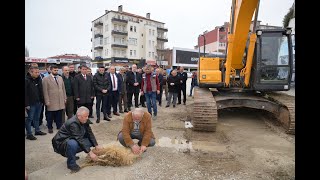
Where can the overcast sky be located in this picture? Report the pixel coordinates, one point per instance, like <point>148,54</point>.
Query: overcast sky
<point>54,27</point>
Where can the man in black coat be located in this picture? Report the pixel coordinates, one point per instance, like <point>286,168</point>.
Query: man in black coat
<point>101,86</point>
<point>75,136</point>
<point>83,89</point>
<point>183,76</point>
<point>33,101</point>
<point>134,83</point>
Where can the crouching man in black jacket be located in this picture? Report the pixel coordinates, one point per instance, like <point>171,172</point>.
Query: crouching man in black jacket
<point>75,136</point>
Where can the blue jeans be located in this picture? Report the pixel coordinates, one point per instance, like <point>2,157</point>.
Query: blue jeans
<point>73,148</point>
<point>121,140</point>
<point>151,97</point>
<point>33,116</point>
<point>191,88</point>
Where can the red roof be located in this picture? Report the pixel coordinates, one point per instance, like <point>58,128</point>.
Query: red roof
<point>70,56</point>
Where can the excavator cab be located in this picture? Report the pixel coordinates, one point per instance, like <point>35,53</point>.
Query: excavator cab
<point>273,64</point>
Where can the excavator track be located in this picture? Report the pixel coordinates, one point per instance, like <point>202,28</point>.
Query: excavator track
<point>288,105</point>
<point>205,113</point>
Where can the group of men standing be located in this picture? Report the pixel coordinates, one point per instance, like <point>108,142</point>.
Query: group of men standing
<point>60,95</point>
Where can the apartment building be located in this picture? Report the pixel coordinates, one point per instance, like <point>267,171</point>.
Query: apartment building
<point>119,38</point>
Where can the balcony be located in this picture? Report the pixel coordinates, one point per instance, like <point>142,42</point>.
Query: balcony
<point>161,38</point>
<point>125,33</point>
<point>98,24</point>
<point>161,49</point>
<point>119,45</point>
<point>99,47</point>
<point>162,29</point>
<point>98,34</point>
<point>114,19</point>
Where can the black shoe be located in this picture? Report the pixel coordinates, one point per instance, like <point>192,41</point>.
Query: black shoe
<point>50,131</point>
<point>129,108</point>
<point>121,111</point>
<point>109,116</point>
<point>40,133</point>
<point>174,106</point>
<point>98,120</point>
<point>137,106</point>
<point>31,137</point>
<point>184,103</point>
<point>126,110</point>
<point>179,103</point>
<point>106,118</point>
<point>74,169</point>
<point>167,106</point>
<point>90,122</point>
<point>160,105</point>
<point>143,105</point>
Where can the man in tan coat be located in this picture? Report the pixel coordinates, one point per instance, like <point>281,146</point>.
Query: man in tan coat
<point>55,97</point>
<point>137,125</point>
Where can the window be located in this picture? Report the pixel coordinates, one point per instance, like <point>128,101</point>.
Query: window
<point>105,41</point>
<point>152,32</point>
<point>141,46</point>
<point>152,43</point>
<point>149,54</point>
<point>106,28</point>
<point>107,52</point>
<point>135,30</point>
<point>131,28</point>
<point>124,28</point>
<point>130,52</point>
<point>123,53</point>
<point>115,27</point>
<point>149,42</point>
<point>152,54</point>
<point>134,53</point>
<point>114,39</point>
<point>141,35</point>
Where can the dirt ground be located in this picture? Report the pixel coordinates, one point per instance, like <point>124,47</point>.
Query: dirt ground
<point>246,146</point>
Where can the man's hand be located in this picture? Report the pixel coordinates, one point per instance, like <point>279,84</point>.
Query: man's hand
<point>92,97</point>
<point>136,84</point>
<point>104,91</point>
<point>28,108</point>
<point>98,147</point>
<point>142,93</point>
<point>143,149</point>
<point>135,149</point>
<point>158,91</point>
<point>93,156</point>
<point>78,99</point>
<point>65,101</point>
<point>48,104</point>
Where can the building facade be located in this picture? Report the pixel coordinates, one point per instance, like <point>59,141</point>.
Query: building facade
<point>120,38</point>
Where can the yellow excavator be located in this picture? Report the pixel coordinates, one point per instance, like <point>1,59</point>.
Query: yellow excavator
<point>257,63</point>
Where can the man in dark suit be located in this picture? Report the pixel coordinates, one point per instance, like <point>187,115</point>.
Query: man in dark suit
<point>113,91</point>
<point>83,89</point>
<point>183,76</point>
<point>134,83</point>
